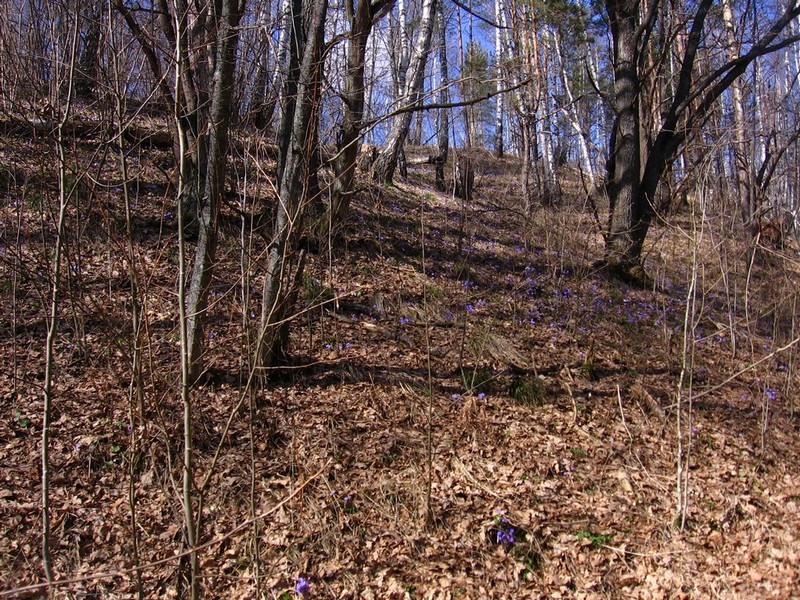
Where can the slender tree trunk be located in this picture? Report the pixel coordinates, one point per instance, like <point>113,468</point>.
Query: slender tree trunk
<point>55,301</point>
<point>386,163</point>
<point>442,115</point>
<point>276,91</point>
<point>741,158</point>
<point>214,187</point>
<point>569,111</point>
<point>285,267</point>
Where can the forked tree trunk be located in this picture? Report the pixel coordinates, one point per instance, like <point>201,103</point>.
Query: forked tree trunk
<point>634,170</point>
<point>361,18</point>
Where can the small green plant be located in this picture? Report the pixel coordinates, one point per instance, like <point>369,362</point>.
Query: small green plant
<point>20,419</point>
<point>530,558</point>
<point>477,378</point>
<point>578,452</point>
<point>34,201</point>
<point>348,505</point>
<point>527,389</point>
<point>587,368</point>
<point>598,540</point>
<point>435,292</point>
<point>462,271</point>
<point>366,269</point>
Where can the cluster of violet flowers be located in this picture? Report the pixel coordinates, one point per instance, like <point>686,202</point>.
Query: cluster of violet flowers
<point>506,533</point>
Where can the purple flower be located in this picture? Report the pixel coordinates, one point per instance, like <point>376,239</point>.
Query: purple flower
<point>470,308</point>
<point>302,587</point>
<point>481,395</point>
<point>771,394</point>
<point>505,536</point>
<point>404,320</point>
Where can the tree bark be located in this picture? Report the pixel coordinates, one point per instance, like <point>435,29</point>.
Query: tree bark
<point>284,263</point>
<point>499,148</point>
<point>214,187</point>
<point>361,18</point>
<point>624,161</point>
<point>386,163</point>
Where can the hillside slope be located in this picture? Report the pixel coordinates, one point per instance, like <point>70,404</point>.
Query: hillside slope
<point>471,410</point>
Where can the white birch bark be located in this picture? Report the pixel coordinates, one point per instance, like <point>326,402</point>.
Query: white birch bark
<point>571,114</point>
<point>499,148</point>
<point>386,163</point>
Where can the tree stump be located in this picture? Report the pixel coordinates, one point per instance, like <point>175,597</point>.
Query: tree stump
<point>464,178</point>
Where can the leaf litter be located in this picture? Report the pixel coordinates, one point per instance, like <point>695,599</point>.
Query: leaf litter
<point>570,496</point>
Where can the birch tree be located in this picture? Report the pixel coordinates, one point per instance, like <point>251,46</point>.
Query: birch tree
<point>499,146</point>
<point>386,163</point>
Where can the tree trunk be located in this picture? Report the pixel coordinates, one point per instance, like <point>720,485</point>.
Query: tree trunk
<point>442,115</point>
<point>361,19</point>
<point>741,158</point>
<point>499,149</point>
<point>624,161</point>
<point>386,163</point>
<point>89,58</point>
<point>285,265</point>
<point>209,203</point>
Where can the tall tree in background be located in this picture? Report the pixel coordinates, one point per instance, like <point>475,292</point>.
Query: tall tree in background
<point>442,115</point>
<point>386,163</point>
<point>499,45</point>
<point>267,84</point>
<point>360,17</point>
<point>86,77</point>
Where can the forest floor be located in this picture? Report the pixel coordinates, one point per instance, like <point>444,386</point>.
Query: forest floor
<point>475,412</point>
